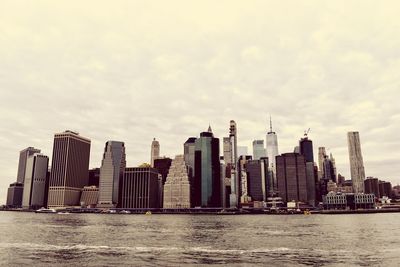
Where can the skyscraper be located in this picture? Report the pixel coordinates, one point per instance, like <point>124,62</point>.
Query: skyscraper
<point>243,185</point>
<point>162,165</point>
<point>188,155</point>
<point>258,149</point>
<point>207,183</point>
<point>177,186</point>
<point>23,156</point>
<point>36,183</point>
<point>356,162</point>
<point>272,150</point>
<point>155,151</point>
<point>259,182</point>
<point>111,172</point>
<point>69,169</point>
<point>234,196</point>
<point>140,188</point>
<point>306,149</point>
<point>227,150</point>
<point>321,158</point>
<point>291,176</point>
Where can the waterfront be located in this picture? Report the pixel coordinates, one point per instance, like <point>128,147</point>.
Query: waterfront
<point>171,240</point>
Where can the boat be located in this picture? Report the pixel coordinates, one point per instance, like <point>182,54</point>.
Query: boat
<point>148,212</point>
<point>307,212</point>
<point>125,212</point>
<point>44,210</point>
<point>63,212</point>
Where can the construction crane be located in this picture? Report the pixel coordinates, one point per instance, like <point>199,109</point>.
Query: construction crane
<point>306,132</point>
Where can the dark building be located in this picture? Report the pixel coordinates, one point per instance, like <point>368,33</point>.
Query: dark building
<point>162,165</point>
<point>385,189</point>
<point>329,171</point>
<point>371,186</point>
<point>14,195</point>
<point>140,188</point>
<point>306,149</point>
<point>258,179</point>
<point>291,177</point>
<point>94,177</point>
<point>207,182</point>
<point>69,169</point>
<point>188,156</point>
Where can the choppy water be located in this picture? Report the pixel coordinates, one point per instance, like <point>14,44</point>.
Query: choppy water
<point>179,240</point>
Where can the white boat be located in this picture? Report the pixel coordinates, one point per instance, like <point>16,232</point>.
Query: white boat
<point>44,210</point>
<point>63,212</point>
<point>125,212</point>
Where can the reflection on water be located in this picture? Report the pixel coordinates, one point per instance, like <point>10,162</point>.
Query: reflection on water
<point>170,240</point>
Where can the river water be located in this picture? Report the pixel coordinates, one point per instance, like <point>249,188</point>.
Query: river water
<point>185,240</point>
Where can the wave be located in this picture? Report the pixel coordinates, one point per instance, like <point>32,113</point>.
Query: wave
<point>105,248</point>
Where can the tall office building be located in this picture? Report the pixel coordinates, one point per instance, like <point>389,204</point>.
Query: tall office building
<point>140,188</point>
<point>94,177</point>
<point>227,146</point>
<point>258,149</point>
<point>177,186</point>
<point>111,172</point>
<point>234,196</point>
<point>188,155</point>
<point>272,150</point>
<point>23,156</point>
<point>306,149</point>
<point>207,183</point>
<point>162,165</point>
<point>356,162</point>
<point>242,171</point>
<point>332,159</point>
<point>292,178</point>
<point>69,169</point>
<point>371,186</point>
<point>259,183</point>
<point>321,158</point>
<point>155,151</point>
<point>36,182</point>
<point>14,195</point>
<point>242,151</point>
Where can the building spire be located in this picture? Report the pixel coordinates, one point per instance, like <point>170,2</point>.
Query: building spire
<point>209,128</point>
<point>270,123</point>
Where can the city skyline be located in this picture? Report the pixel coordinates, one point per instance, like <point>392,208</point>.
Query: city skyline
<point>132,79</point>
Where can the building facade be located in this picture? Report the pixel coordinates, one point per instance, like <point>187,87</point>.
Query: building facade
<point>23,157</point>
<point>111,172</point>
<point>292,178</point>
<point>321,158</point>
<point>35,182</point>
<point>155,151</point>
<point>259,150</point>
<point>233,166</point>
<point>207,183</point>
<point>356,161</point>
<point>272,150</point>
<point>140,188</point>
<point>177,185</point>
<point>14,195</point>
<point>260,185</point>
<point>69,169</point>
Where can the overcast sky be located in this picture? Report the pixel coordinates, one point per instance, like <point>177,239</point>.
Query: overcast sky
<point>134,70</point>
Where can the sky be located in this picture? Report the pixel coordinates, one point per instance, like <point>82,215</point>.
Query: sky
<point>134,70</point>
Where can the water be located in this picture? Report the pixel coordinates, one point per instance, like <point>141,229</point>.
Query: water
<point>179,240</point>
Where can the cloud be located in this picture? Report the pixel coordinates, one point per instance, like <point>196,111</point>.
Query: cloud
<point>132,71</point>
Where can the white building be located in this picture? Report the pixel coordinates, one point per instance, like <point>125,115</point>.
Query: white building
<point>356,162</point>
<point>177,186</point>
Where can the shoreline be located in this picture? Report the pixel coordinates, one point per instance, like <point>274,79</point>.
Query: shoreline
<point>212,212</point>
